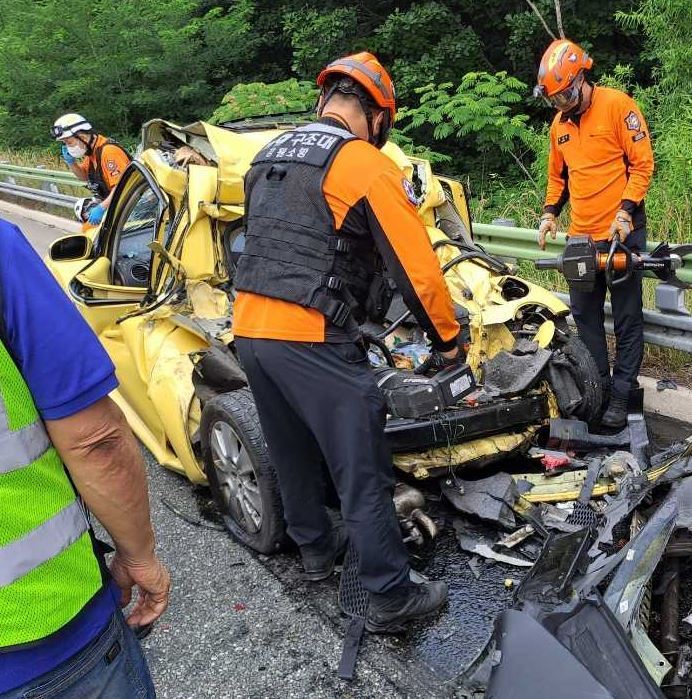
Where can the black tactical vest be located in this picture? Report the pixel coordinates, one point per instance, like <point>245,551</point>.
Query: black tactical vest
<point>96,182</point>
<point>292,251</point>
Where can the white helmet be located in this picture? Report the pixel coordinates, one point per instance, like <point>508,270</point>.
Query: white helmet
<point>83,206</point>
<point>69,125</point>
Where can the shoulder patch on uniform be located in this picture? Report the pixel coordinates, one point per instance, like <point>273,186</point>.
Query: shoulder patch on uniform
<point>409,191</point>
<point>632,121</point>
<point>639,136</point>
<point>563,139</point>
<point>112,167</point>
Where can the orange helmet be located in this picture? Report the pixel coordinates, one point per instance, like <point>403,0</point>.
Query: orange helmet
<point>368,72</point>
<point>561,65</point>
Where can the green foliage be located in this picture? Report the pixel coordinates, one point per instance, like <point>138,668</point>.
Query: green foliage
<point>416,150</point>
<point>667,106</point>
<point>427,43</point>
<point>119,63</point>
<point>259,99</point>
<point>319,36</point>
<point>481,110</point>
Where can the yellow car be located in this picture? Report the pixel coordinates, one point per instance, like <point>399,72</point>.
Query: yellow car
<point>155,282</point>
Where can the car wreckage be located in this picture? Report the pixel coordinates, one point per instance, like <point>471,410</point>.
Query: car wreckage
<point>155,282</point>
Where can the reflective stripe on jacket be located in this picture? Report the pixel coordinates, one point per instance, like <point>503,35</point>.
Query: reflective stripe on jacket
<point>48,568</point>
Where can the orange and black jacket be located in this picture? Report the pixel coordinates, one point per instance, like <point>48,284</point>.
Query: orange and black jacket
<point>367,196</point>
<point>600,161</point>
<point>104,165</point>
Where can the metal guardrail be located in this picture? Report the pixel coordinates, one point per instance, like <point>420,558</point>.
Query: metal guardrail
<point>669,326</point>
<point>48,193</point>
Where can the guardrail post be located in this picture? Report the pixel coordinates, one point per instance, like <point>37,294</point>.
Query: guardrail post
<point>671,299</point>
<point>46,185</point>
<point>8,178</point>
<point>507,223</point>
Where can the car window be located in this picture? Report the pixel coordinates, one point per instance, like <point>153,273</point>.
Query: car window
<point>135,229</point>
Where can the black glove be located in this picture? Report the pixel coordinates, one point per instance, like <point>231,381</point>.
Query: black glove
<point>436,361</point>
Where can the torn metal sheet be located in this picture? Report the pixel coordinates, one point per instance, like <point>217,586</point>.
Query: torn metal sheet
<point>521,534</point>
<point>480,547</point>
<point>490,499</point>
<point>474,452</point>
<point>206,301</point>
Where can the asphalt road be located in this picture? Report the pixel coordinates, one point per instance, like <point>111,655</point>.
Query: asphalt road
<point>242,625</point>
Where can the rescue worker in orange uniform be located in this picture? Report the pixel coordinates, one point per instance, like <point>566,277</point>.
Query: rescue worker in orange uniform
<point>601,161</point>
<point>97,160</point>
<point>325,209</point>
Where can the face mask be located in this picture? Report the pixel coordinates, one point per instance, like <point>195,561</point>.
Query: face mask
<point>76,151</point>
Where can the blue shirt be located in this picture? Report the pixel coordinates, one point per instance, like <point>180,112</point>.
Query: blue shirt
<point>66,369</point>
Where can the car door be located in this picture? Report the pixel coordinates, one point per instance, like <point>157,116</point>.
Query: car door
<point>117,282</point>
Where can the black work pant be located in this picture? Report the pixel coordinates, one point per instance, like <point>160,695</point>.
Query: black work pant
<point>320,401</point>
<point>628,321</point>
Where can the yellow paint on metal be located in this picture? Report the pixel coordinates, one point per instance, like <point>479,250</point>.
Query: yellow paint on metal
<point>462,454</point>
<point>206,301</point>
<point>545,334</point>
<point>567,486</point>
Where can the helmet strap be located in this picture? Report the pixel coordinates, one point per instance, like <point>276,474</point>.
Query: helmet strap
<point>88,143</point>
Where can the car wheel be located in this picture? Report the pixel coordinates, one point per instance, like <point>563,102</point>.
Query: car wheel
<point>240,474</point>
<point>585,373</point>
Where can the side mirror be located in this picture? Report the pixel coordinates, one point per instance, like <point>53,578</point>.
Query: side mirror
<point>72,247</point>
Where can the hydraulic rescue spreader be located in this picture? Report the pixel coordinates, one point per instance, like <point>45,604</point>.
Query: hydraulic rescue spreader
<point>582,261</point>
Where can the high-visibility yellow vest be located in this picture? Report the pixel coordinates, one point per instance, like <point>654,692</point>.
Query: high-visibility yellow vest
<point>48,568</point>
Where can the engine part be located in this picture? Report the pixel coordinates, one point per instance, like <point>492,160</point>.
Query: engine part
<point>414,522</point>
<point>462,424</point>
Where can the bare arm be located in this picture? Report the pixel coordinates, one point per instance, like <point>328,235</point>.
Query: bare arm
<point>107,468</point>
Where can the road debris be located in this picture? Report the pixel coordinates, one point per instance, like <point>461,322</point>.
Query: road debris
<point>490,499</point>
<point>479,547</point>
<point>580,622</point>
<point>521,534</point>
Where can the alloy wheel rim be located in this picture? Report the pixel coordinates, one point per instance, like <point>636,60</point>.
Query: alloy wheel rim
<point>236,477</point>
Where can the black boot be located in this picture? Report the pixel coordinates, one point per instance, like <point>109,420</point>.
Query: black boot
<point>319,559</point>
<point>616,415</point>
<point>390,611</point>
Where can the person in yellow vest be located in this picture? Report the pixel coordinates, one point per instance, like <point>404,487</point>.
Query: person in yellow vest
<point>65,449</point>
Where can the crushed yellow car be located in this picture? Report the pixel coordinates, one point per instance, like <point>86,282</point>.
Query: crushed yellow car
<point>155,282</point>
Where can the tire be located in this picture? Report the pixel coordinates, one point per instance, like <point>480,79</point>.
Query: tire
<point>585,373</point>
<point>240,474</point>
